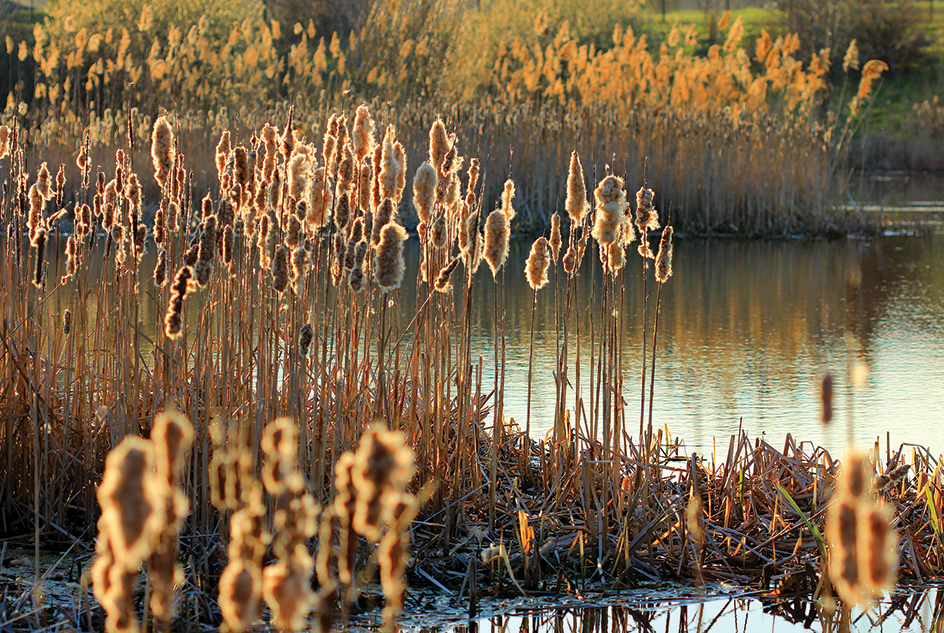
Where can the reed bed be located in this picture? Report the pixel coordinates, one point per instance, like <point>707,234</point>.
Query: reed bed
<point>283,345</point>
<point>739,138</point>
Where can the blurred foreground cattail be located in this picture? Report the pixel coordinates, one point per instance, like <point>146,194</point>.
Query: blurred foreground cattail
<point>863,547</point>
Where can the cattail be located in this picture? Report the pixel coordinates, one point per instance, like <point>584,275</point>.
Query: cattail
<point>362,135</point>
<point>664,258</point>
<point>346,170</point>
<point>473,182</point>
<point>399,156</point>
<point>537,264</point>
<point>646,220</point>
<point>5,142</point>
<point>554,242</point>
<point>35,219</point>
<point>878,548</point>
<point>342,212</point>
<point>173,319</point>
<point>44,182</point>
<point>299,266</point>
<point>615,258</point>
<point>242,172</point>
<point>364,186</point>
<point>240,594</point>
<point>128,497</point>
<point>388,262</point>
<point>570,260</point>
<point>442,283</point>
<point>608,224</point>
<point>328,145</point>
<point>223,149</point>
<point>60,184</point>
<point>496,240</point>
<point>826,393</point>
<point>160,269</point>
<point>576,204</point>
<point>321,198</point>
<point>201,272</point>
<point>305,336</point>
<point>287,142</point>
<point>383,216</point>
<point>39,243</point>
<point>299,169</point>
<point>229,244</point>
<point>208,238</point>
<point>438,145</point>
<point>383,463</point>
<point>270,139</point>
<point>424,190</point>
<point>508,195</point>
<point>376,196</point>
<point>439,234</point>
<point>280,269</point>
<point>67,322</point>
<point>388,165</point>
<point>162,150</point>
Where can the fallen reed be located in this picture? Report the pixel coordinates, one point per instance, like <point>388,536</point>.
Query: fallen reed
<point>279,339</point>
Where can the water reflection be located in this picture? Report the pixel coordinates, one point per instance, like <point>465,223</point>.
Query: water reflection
<point>909,609</point>
<point>747,330</point>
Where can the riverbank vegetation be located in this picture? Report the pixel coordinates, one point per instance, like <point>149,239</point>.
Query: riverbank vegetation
<point>739,128</point>
<point>312,396</point>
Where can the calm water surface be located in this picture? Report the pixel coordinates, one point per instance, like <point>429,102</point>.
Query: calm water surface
<point>747,331</point>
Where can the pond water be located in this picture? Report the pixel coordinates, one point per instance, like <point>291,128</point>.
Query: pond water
<point>680,610</point>
<point>747,331</point>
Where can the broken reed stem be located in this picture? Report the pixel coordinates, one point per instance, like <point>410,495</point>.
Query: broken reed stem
<point>496,428</point>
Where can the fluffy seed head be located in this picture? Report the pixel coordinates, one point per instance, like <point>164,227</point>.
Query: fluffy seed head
<point>389,264</point>
<point>664,258</point>
<point>127,496</point>
<point>5,141</point>
<point>362,135</point>
<point>162,150</point>
<point>280,269</point>
<point>555,242</point>
<point>537,264</point>
<point>438,144</point>
<point>424,190</point>
<point>508,195</point>
<point>576,204</point>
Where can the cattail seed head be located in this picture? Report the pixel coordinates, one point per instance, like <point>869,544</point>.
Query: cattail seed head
<point>576,203</point>
<point>438,144</point>
<point>362,134</point>
<point>497,232</point>
<point>240,595</point>
<point>127,496</point>
<point>320,199</point>
<point>508,195</point>
<point>555,242</point>
<point>439,235</point>
<point>424,190</point>
<point>646,220</point>
<point>280,269</point>
<point>67,322</point>
<point>389,168</point>
<point>305,335</point>
<point>664,258</point>
<point>223,149</point>
<point>382,216</point>
<point>389,263</point>
<point>160,268</point>
<point>570,260</point>
<point>537,264</point>
<point>442,280</point>
<point>162,150</point>
<point>299,172</point>
<point>44,182</point>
